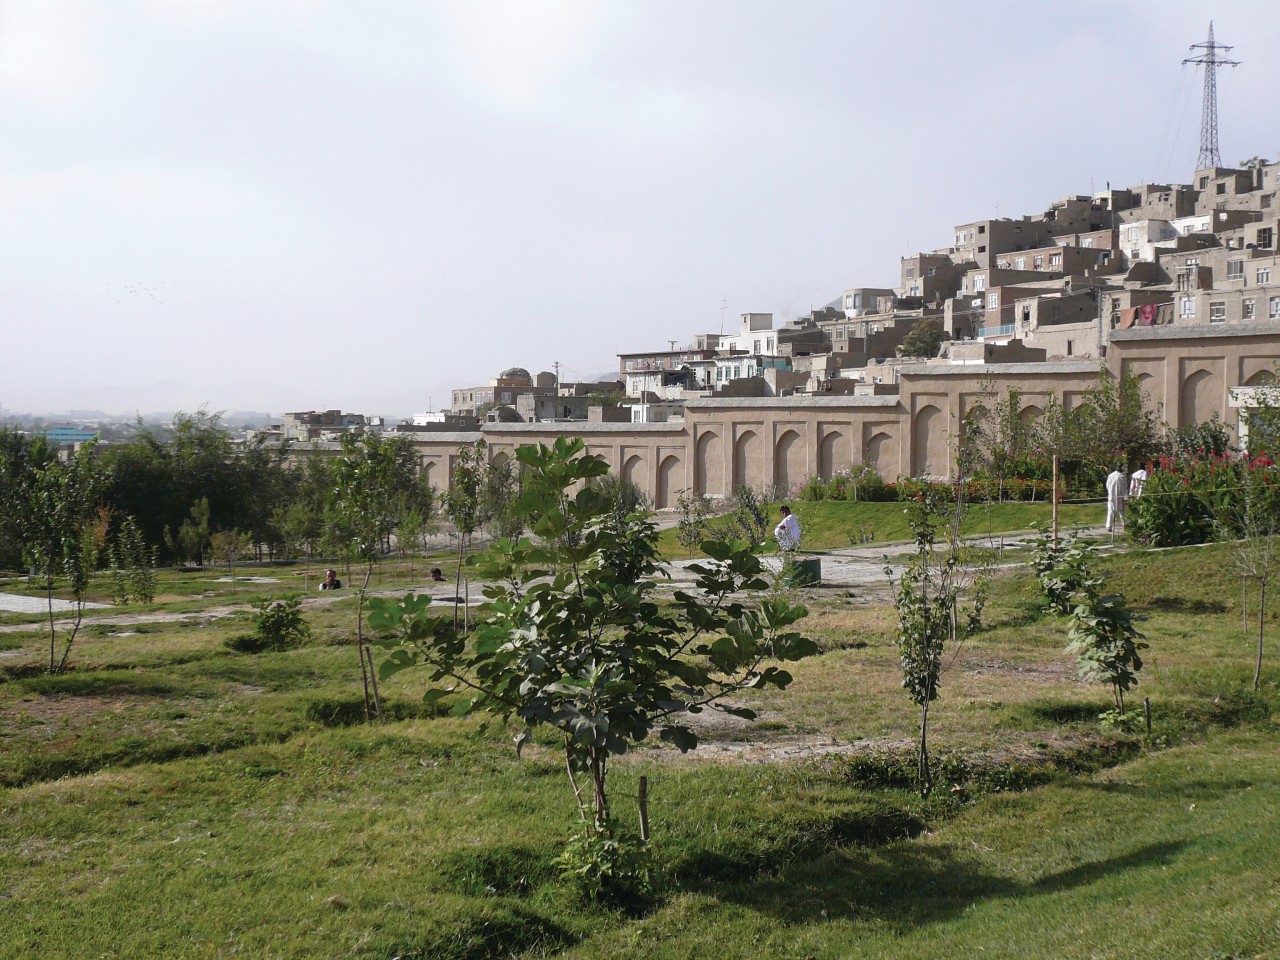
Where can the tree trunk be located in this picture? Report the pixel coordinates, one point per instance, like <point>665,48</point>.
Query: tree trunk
<point>370,700</point>
<point>457,586</point>
<point>1262,609</point>
<point>52,632</point>
<point>922,765</point>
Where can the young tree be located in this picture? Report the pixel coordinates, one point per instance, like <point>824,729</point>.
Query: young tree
<point>21,460</point>
<point>133,565</point>
<point>1103,636</point>
<point>996,440</point>
<point>748,521</point>
<point>464,504</point>
<point>1251,525</point>
<point>229,546</point>
<point>695,520</point>
<point>368,479</point>
<point>194,534</point>
<point>1115,424</point>
<point>573,637</point>
<point>500,491</point>
<point>930,608</point>
<point>61,539</point>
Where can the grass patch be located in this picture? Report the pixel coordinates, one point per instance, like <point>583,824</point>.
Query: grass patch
<point>839,524</point>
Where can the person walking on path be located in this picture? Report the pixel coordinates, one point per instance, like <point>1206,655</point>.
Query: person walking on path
<point>1117,491</point>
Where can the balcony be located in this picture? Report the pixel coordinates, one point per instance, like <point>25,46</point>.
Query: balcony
<point>1005,330</point>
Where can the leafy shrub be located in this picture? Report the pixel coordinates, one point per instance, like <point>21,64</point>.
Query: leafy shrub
<point>277,625</point>
<point>606,867</point>
<point>1183,498</point>
<point>1103,636</point>
<point>1064,569</point>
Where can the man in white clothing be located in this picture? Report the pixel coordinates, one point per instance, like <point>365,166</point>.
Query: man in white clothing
<point>1137,481</point>
<point>787,532</point>
<point>1117,490</point>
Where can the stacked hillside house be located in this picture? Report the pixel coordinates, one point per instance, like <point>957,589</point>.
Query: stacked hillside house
<point>1177,284</point>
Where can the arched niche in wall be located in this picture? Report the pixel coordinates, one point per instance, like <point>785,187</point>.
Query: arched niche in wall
<point>788,461</point>
<point>708,465</point>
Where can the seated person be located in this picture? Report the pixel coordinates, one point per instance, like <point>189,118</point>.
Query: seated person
<point>331,581</point>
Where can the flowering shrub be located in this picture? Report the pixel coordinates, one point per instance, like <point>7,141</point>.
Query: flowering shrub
<point>1186,495</point>
<point>855,483</point>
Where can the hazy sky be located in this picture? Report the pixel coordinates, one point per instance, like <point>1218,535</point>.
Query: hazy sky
<point>294,204</point>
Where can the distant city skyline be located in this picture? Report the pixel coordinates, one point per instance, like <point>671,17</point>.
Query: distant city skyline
<point>286,205</point>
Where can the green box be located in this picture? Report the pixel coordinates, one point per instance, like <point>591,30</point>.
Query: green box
<point>802,572</point>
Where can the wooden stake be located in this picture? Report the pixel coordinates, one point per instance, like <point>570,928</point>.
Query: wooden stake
<point>1055,499</point>
<point>643,797</point>
<point>1146,712</point>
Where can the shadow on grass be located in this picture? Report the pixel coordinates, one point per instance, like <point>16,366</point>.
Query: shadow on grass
<point>909,886</point>
<point>1183,605</point>
<point>502,930</point>
<point>94,683</point>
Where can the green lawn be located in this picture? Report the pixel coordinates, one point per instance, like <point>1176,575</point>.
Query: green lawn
<point>838,524</point>
<point>171,798</point>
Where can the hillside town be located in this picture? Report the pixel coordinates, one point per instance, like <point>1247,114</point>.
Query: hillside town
<point>1176,285</point>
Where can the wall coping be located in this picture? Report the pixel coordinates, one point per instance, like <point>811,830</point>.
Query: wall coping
<point>1193,331</point>
<point>574,428</point>
<point>802,402</point>
<point>980,369</point>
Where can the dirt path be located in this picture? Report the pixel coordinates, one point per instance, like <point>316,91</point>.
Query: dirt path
<point>851,568</point>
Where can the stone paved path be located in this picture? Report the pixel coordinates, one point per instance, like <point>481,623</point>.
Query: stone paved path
<point>13,603</point>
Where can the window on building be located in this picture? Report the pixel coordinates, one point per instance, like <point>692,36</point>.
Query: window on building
<point>1187,307</point>
<point>1087,242</point>
<point>982,228</point>
<point>913,292</point>
<point>1055,260</point>
<point>1266,236</point>
<point>911,273</point>
<point>768,343</point>
<point>933,271</point>
<point>1192,262</point>
<point>979,283</point>
<point>1235,269</point>
<point>1220,188</point>
<point>1204,182</point>
<point>1037,263</point>
<point>1274,308</point>
<point>1246,310</point>
<point>1020,263</point>
<point>993,300</point>
<point>982,249</point>
<point>1217,311</point>
<point>848,303</point>
<point>1266,201</point>
<point>1070,347</point>
<point>1264,275</point>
